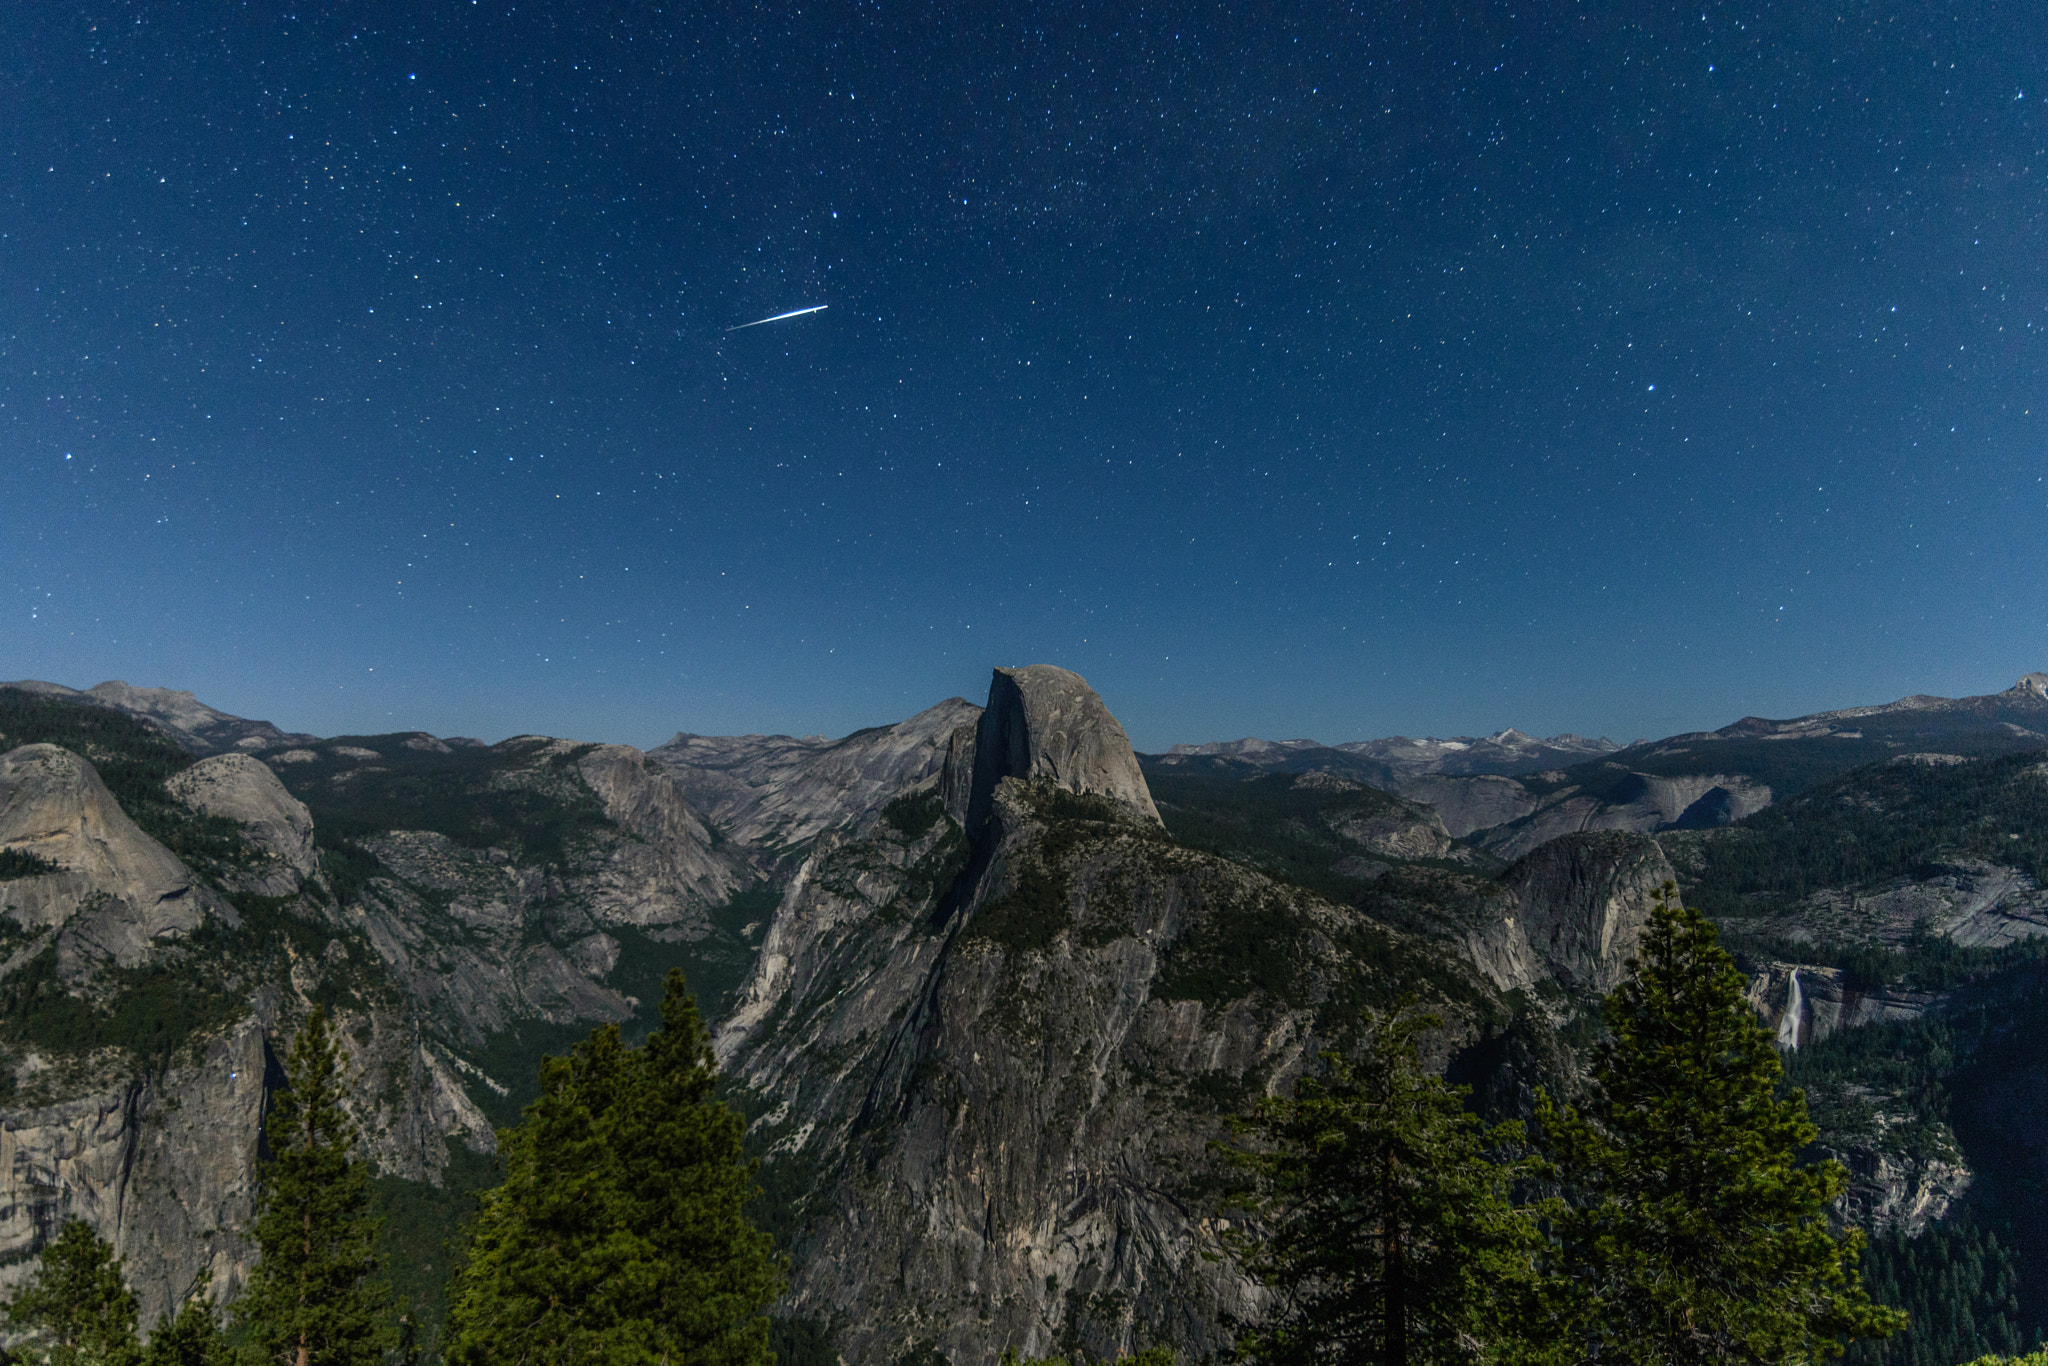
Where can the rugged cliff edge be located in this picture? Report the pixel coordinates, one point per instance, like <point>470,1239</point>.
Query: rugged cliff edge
<point>986,1052</point>
<point>1044,722</point>
<point>457,907</point>
<point>112,894</point>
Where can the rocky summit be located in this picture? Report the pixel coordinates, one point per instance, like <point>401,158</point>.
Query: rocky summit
<point>985,983</point>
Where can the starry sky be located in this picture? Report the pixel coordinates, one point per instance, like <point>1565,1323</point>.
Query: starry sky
<point>1320,370</point>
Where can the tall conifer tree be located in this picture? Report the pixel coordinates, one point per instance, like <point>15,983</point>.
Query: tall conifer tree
<point>709,1274</point>
<point>618,1236</point>
<point>193,1338</point>
<point>1382,1217</point>
<point>78,1305</point>
<point>1696,1234</point>
<point>311,1300</point>
<point>541,1283</point>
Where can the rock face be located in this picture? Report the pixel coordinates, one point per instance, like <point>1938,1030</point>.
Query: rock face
<point>775,793</point>
<point>1889,1190</point>
<point>162,1167</point>
<point>1004,1103</point>
<point>243,790</point>
<point>994,1026</point>
<point>1640,802</point>
<point>1414,833</point>
<point>428,950</point>
<point>982,1015</point>
<point>668,872</point>
<point>508,946</point>
<point>1968,901</point>
<point>116,893</point>
<point>1466,804</point>
<point>1823,1002</point>
<point>1581,902</point>
<point>1046,722</point>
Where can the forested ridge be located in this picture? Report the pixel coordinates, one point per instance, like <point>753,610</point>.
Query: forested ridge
<point>1868,827</point>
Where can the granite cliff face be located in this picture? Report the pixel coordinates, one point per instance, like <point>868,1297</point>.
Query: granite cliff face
<point>147,999</point>
<point>669,871</point>
<point>273,822</point>
<point>992,1061</point>
<point>115,893</point>
<point>1046,723</point>
<point>1966,901</point>
<point>1804,1003</point>
<point>161,1166</point>
<point>1581,901</point>
<point>1626,800</point>
<point>773,794</point>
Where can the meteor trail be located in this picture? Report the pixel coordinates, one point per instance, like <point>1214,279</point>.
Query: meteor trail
<point>793,313</point>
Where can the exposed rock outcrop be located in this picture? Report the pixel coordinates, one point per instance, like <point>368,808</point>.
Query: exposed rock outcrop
<point>163,1164</point>
<point>1640,802</point>
<point>242,789</point>
<point>668,872</point>
<point>508,946</point>
<point>1008,1108</point>
<point>1466,804</point>
<point>1046,722</point>
<point>1580,904</point>
<point>1971,902</point>
<point>163,1168</point>
<point>1826,1002</point>
<point>1414,833</point>
<point>776,793</point>
<point>1889,1190</point>
<point>116,892</point>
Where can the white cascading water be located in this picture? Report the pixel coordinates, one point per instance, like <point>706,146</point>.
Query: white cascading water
<point>1788,1023</point>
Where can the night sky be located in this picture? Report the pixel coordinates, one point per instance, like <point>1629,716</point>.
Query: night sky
<point>1322,371</point>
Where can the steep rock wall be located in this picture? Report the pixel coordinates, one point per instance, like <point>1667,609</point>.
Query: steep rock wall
<point>1046,722</point>
<point>116,893</point>
<point>244,790</point>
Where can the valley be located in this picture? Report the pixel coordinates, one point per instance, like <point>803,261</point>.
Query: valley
<point>985,982</point>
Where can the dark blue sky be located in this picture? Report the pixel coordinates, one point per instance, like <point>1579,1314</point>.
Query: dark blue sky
<point>1285,370</point>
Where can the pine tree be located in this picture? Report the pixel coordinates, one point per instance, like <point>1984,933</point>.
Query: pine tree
<point>709,1274</point>
<point>1382,1218</point>
<point>618,1235</point>
<point>80,1309</point>
<point>311,1300</point>
<point>1696,1234</point>
<point>540,1283</point>
<point>193,1338</point>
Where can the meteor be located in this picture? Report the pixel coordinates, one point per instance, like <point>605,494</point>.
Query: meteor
<point>793,313</point>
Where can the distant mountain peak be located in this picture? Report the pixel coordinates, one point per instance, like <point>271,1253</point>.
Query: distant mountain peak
<point>1503,752</point>
<point>1248,745</point>
<point>194,725</point>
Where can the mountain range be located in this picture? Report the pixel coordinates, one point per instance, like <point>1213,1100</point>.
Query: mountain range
<point>985,981</point>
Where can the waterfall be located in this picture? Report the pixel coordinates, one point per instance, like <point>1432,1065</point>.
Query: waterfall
<point>1788,1023</point>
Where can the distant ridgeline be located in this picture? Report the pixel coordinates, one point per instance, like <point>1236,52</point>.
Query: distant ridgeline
<point>987,972</point>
